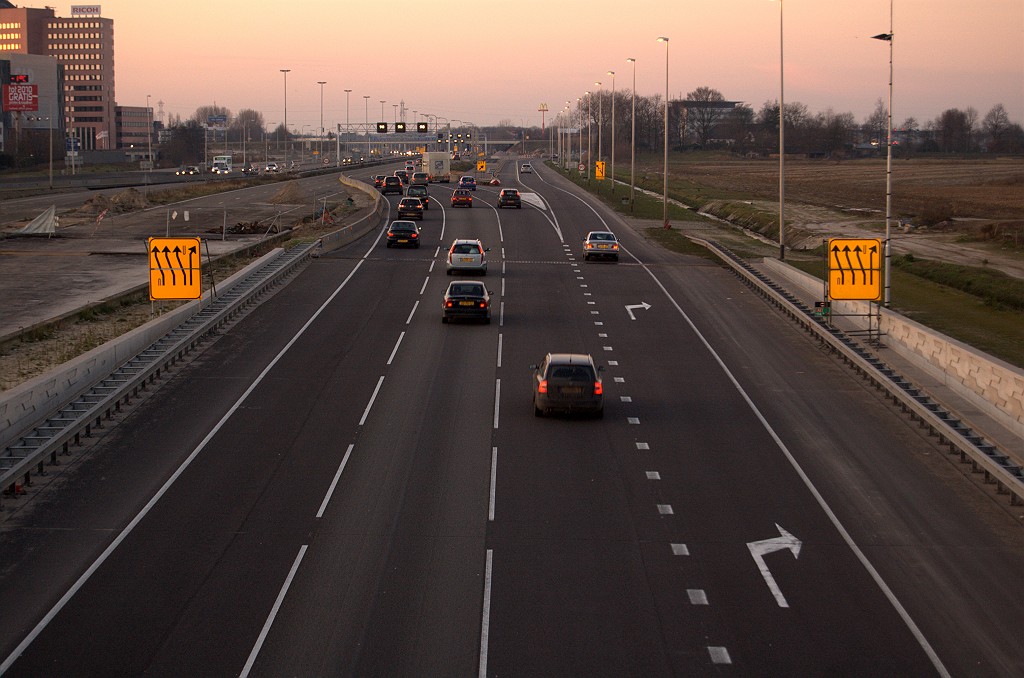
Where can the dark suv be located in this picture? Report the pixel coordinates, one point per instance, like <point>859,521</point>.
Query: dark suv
<point>391,185</point>
<point>509,197</point>
<point>567,382</point>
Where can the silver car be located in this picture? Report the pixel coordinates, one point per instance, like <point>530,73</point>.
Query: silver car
<point>467,255</point>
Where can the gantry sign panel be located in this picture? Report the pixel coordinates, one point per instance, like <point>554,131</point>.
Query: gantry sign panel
<point>855,269</point>
<point>174,268</point>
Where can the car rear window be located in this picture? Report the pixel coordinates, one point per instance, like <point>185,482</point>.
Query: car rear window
<point>571,373</point>
<point>466,249</point>
<point>467,290</point>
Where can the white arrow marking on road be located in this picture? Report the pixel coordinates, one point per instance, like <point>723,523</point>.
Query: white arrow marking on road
<point>759,549</point>
<point>629,309</point>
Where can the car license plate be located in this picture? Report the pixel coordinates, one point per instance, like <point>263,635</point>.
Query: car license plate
<point>465,258</point>
<point>602,247</point>
<point>571,390</point>
<point>403,240</point>
<point>465,303</point>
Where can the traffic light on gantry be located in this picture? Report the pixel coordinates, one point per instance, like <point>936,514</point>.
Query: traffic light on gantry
<point>382,128</point>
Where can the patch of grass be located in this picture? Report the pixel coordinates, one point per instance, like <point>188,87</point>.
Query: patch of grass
<point>995,288</point>
<point>644,206</point>
<point>959,314</point>
<point>676,241</point>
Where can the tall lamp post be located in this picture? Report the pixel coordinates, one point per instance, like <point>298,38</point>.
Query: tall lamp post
<point>590,135</point>
<point>612,73</point>
<point>149,133</point>
<point>782,146</point>
<point>366,112</point>
<point>286,144</point>
<point>579,104</point>
<point>632,138</point>
<point>888,168</point>
<point>600,119</point>
<point>664,190</point>
<point>320,140</point>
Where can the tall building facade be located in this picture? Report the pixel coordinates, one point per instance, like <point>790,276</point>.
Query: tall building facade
<point>84,45</point>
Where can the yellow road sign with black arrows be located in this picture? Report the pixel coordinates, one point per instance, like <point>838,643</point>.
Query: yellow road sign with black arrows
<point>599,170</point>
<point>174,268</point>
<point>481,165</point>
<point>855,269</point>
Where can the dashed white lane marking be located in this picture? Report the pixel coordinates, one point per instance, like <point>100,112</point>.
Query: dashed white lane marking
<point>665,509</point>
<point>680,550</point>
<point>587,294</point>
<point>697,596</point>
<point>602,335</point>
<point>334,483</point>
<point>620,380</point>
<point>485,623</point>
<point>719,655</point>
<point>431,267</point>
<point>633,420</point>
<point>626,399</point>
<point>366,412</point>
<point>653,475</point>
<point>412,312</point>
<point>598,323</point>
<point>494,477</point>
<point>583,286</point>
<point>425,281</point>
<point>394,351</point>
<point>497,400</point>
<point>595,313</point>
<point>499,349</point>
<point>643,446</point>
<point>502,287</point>
<point>501,314</point>
<point>613,363</point>
<point>273,612</point>
<point>607,348</point>
<point>579,277</point>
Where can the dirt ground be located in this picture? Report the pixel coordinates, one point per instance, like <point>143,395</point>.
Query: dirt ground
<point>25,359</point>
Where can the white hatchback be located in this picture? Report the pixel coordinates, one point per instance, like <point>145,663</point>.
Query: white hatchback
<point>467,255</point>
<point>526,168</point>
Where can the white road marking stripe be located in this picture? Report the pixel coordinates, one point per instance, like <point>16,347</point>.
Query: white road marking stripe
<point>425,281</point>
<point>395,349</point>
<point>485,623</point>
<point>334,483</point>
<point>626,399</point>
<point>502,287</point>
<point>501,314</point>
<point>273,613</point>
<point>653,475</point>
<point>414,307</point>
<point>497,400</point>
<point>643,446</point>
<point>613,363</point>
<point>432,262</point>
<point>366,412</point>
<point>494,478</point>
<point>620,380</point>
<point>633,420</point>
<point>697,596</point>
<point>719,655</point>
<point>499,349</point>
<point>665,509</point>
<point>680,550</point>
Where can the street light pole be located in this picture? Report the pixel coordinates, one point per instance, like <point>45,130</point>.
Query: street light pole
<point>600,119</point>
<point>320,141</point>
<point>590,135</point>
<point>286,144</point>
<point>632,138</point>
<point>664,190</point>
<point>149,133</point>
<point>782,145</point>
<point>888,170</point>
<point>612,73</point>
<point>366,112</point>
<point>348,129</point>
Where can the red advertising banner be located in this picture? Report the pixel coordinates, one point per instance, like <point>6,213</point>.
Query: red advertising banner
<point>21,97</point>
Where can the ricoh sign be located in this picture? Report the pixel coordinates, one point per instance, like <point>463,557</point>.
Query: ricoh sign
<point>78,11</point>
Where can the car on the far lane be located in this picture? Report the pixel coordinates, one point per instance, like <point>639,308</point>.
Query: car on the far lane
<point>468,182</point>
<point>461,197</point>
<point>509,197</point>
<point>526,168</point>
<point>419,191</point>
<point>186,170</point>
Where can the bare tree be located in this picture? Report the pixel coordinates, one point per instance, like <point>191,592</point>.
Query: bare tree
<point>203,113</point>
<point>876,126</point>
<point>996,124</point>
<point>704,111</point>
<point>971,118</point>
<point>952,130</point>
<point>248,124</point>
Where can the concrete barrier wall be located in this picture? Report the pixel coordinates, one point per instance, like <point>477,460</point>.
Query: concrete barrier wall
<point>22,407</point>
<point>987,382</point>
<point>350,232</point>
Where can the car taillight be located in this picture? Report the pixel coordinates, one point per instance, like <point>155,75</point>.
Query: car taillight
<point>391,234</point>
<point>414,235</point>
<point>615,246</point>
<point>483,304</point>
<point>542,387</point>
<point>588,246</point>
<point>598,388</point>
<point>448,304</point>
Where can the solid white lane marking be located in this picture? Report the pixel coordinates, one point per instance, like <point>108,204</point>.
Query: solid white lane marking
<point>643,446</point>
<point>497,400</point>
<point>273,613</point>
<point>719,655</point>
<point>334,483</point>
<point>395,349</point>
<point>653,475</point>
<point>485,623</point>
<point>633,420</point>
<point>680,550</point>
<point>366,412</point>
<point>665,509</point>
<point>499,349</point>
<point>425,281</point>
<point>413,311</point>
<point>494,478</point>
<point>697,596</point>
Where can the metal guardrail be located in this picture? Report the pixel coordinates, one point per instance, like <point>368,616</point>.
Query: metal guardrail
<point>65,426</point>
<point>973,449</point>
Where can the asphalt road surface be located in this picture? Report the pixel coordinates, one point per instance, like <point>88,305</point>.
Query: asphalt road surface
<point>342,485</point>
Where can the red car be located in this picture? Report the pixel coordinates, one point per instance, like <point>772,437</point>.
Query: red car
<point>462,198</point>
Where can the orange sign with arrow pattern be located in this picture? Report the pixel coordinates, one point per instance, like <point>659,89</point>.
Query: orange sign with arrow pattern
<point>174,268</point>
<point>855,269</point>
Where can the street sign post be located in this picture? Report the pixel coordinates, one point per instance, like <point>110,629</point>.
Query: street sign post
<point>481,165</point>
<point>174,268</point>
<point>599,170</point>
<point>855,269</point>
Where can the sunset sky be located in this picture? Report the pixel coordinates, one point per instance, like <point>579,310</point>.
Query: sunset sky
<point>485,61</point>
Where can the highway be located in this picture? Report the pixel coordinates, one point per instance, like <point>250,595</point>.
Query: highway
<point>342,485</point>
